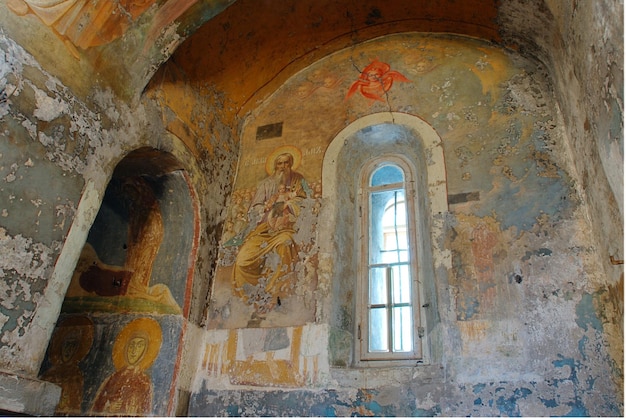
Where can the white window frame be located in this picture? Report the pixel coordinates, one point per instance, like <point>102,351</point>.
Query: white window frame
<point>363,355</point>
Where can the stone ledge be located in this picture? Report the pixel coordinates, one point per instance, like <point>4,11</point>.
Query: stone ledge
<point>386,375</point>
<point>28,395</point>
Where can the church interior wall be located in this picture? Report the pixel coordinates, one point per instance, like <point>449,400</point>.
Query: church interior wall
<point>518,153</point>
<point>510,195</point>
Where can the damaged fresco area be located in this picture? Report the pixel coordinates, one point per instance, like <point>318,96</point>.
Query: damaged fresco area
<point>142,237</point>
<point>55,141</point>
<point>392,401</point>
<point>525,332</point>
<point>133,273</point>
<point>83,38</point>
<point>36,209</point>
<point>107,366</point>
<point>269,260</point>
<point>260,357</point>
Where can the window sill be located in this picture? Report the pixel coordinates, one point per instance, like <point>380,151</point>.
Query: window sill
<point>381,375</point>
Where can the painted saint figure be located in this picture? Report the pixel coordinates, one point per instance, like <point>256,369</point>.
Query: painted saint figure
<point>70,343</point>
<point>128,391</point>
<point>144,239</point>
<point>145,236</point>
<point>264,267</point>
<point>83,24</point>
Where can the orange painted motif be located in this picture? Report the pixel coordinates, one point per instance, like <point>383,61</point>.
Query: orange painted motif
<point>375,81</point>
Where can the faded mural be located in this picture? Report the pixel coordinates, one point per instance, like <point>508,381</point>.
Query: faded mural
<point>134,264</point>
<point>123,265</point>
<point>71,342</point>
<point>82,24</point>
<point>129,390</point>
<point>279,357</point>
<point>268,243</point>
<point>515,234</point>
<point>105,366</point>
<point>83,37</point>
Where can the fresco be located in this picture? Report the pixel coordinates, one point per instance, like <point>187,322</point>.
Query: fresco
<point>125,264</point>
<point>375,81</point>
<point>272,213</point>
<point>514,232</point>
<point>83,37</point>
<point>135,263</point>
<point>112,365</point>
<point>70,343</point>
<point>83,24</point>
<point>276,357</point>
<point>129,391</point>
<point>268,238</point>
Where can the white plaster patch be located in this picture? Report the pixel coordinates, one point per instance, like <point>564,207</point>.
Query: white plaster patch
<point>30,260</point>
<point>105,99</point>
<point>427,403</point>
<point>48,108</point>
<point>30,127</point>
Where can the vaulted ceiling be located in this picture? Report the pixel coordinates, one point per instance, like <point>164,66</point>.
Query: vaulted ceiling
<point>244,48</point>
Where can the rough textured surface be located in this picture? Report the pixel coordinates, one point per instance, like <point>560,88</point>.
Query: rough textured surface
<point>27,396</point>
<point>522,334</point>
<point>526,242</point>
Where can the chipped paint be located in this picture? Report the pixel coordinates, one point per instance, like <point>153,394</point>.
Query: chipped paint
<point>519,172</point>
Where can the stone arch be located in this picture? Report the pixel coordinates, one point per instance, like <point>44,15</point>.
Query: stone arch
<point>137,260</point>
<point>146,223</point>
<point>356,144</point>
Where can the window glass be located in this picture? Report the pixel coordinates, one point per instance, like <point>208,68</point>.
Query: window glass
<point>389,310</point>
<point>388,227</point>
<point>387,175</point>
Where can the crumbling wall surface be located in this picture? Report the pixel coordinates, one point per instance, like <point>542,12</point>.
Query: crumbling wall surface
<point>46,136</point>
<point>528,324</point>
<point>57,156</point>
<point>202,118</point>
<point>57,151</point>
<point>582,45</point>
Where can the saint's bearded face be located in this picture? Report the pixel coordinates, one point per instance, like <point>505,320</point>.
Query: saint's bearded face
<point>282,166</point>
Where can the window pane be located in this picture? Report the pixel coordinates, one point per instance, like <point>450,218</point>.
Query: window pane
<point>387,175</point>
<point>378,286</point>
<point>390,295</point>
<point>388,231</point>
<point>401,284</point>
<point>402,329</point>
<point>378,330</point>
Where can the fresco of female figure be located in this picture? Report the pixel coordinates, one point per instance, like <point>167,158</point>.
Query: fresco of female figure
<point>128,391</point>
<point>70,343</point>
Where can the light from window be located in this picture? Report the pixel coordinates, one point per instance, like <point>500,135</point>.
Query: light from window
<point>390,296</point>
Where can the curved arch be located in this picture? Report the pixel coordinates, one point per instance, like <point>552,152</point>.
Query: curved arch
<point>363,140</point>
<point>436,170</point>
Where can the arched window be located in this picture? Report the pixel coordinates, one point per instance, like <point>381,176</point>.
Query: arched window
<point>382,253</point>
<point>388,315</point>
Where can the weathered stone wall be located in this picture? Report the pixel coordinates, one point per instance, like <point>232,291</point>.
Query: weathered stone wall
<point>527,276</point>
<point>581,44</point>
<point>525,318</point>
<point>59,153</point>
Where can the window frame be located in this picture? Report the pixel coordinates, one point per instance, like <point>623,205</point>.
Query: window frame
<point>363,356</point>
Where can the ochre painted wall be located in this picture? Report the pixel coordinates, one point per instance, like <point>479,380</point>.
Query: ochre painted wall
<point>526,279</point>
<point>519,304</point>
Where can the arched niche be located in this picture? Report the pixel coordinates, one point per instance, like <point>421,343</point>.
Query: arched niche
<point>145,234</point>
<point>357,144</point>
<point>136,267</point>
